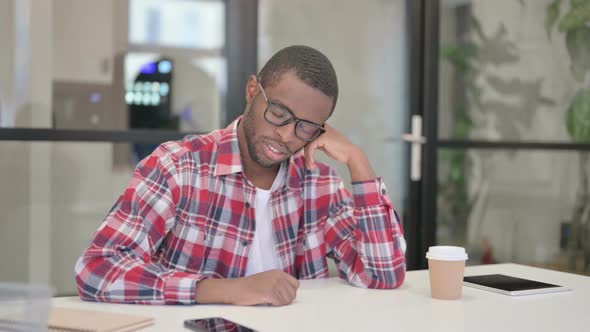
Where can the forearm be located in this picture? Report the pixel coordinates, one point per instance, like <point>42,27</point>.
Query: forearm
<point>219,291</point>
<point>381,249</point>
<point>123,262</point>
<point>374,256</point>
<point>106,275</point>
<point>359,166</point>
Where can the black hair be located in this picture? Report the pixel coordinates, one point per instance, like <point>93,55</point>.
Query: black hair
<point>310,65</point>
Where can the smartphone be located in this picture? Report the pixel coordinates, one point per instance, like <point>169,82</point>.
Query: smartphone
<point>215,324</point>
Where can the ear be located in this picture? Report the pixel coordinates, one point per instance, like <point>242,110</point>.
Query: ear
<point>251,88</point>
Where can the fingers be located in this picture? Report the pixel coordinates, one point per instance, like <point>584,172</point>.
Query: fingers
<point>274,287</point>
<point>290,287</point>
<point>332,143</point>
<point>292,280</point>
<point>284,293</point>
<point>279,297</point>
<point>309,157</point>
<point>290,292</point>
<point>284,290</point>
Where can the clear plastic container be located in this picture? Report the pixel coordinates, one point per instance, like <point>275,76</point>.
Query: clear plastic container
<point>24,307</point>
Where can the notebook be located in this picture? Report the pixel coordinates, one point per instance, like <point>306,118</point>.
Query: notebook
<point>78,320</point>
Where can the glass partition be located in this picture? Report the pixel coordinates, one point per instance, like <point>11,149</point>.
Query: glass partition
<point>515,72</point>
<point>53,197</point>
<point>527,207</point>
<point>113,65</point>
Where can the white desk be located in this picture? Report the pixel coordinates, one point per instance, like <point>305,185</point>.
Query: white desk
<point>333,305</point>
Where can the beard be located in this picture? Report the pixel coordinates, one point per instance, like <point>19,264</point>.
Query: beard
<point>256,144</point>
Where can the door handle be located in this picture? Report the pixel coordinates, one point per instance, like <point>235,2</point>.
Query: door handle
<point>416,140</point>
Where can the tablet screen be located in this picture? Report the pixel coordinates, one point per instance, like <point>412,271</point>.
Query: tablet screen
<point>507,283</point>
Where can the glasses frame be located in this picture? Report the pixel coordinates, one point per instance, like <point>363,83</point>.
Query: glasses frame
<point>321,128</point>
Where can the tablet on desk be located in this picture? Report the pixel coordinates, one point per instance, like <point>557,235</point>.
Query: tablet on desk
<point>509,285</point>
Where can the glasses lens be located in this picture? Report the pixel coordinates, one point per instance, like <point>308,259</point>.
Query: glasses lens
<point>277,115</point>
<point>307,131</point>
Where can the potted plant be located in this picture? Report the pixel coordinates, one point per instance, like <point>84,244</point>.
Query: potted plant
<point>575,24</point>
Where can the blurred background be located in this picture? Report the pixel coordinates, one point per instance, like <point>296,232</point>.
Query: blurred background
<point>493,99</point>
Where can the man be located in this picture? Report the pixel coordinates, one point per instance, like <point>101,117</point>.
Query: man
<point>239,215</point>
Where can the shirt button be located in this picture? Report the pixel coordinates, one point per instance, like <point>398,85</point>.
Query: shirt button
<point>248,204</point>
<point>245,243</point>
<point>383,191</point>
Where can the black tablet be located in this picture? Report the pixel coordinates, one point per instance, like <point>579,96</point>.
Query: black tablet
<point>509,285</point>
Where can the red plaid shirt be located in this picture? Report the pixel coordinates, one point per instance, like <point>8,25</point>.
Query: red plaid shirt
<point>188,215</point>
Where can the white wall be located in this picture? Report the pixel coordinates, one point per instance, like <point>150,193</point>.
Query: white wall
<point>7,35</point>
<point>83,40</point>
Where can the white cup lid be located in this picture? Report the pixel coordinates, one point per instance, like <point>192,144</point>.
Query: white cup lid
<point>446,253</point>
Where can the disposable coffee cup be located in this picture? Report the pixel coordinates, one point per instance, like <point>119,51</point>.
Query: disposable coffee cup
<point>446,266</point>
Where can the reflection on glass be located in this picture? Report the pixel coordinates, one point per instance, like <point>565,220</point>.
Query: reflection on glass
<point>525,207</point>
<point>83,83</point>
<point>177,23</point>
<point>149,110</point>
<point>3,111</point>
<point>175,93</point>
<point>69,187</point>
<point>513,70</point>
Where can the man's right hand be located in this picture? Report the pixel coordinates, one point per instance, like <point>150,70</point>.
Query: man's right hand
<point>273,287</point>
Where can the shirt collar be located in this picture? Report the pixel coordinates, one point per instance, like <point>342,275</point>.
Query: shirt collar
<point>229,160</point>
<point>228,151</point>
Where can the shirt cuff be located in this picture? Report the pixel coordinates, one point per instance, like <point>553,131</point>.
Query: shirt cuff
<point>370,192</point>
<point>180,288</point>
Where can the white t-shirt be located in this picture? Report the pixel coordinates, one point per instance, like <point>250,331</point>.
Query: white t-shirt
<point>263,252</point>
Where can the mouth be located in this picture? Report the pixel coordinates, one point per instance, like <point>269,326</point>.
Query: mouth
<point>275,151</point>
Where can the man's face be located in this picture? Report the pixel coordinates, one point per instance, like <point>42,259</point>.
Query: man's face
<point>269,145</point>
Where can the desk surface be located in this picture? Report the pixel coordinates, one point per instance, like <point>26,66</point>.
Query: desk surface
<point>334,305</point>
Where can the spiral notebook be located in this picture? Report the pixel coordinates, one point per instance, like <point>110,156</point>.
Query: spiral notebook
<point>78,320</point>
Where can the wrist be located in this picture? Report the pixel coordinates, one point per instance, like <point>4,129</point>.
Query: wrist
<point>222,291</point>
<point>232,290</point>
<point>359,166</point>
<point>355,155</point>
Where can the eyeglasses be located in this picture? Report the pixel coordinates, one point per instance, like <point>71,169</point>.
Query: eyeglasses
<point>278,115</point>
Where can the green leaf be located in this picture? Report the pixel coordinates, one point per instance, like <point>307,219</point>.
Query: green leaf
<point>463,126</point>
<point>552,16</point>
<point>577,42</point>
<point>578,117</point>
<point>460,56</point>
<point>576,18</point>
<point>577,3</point>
